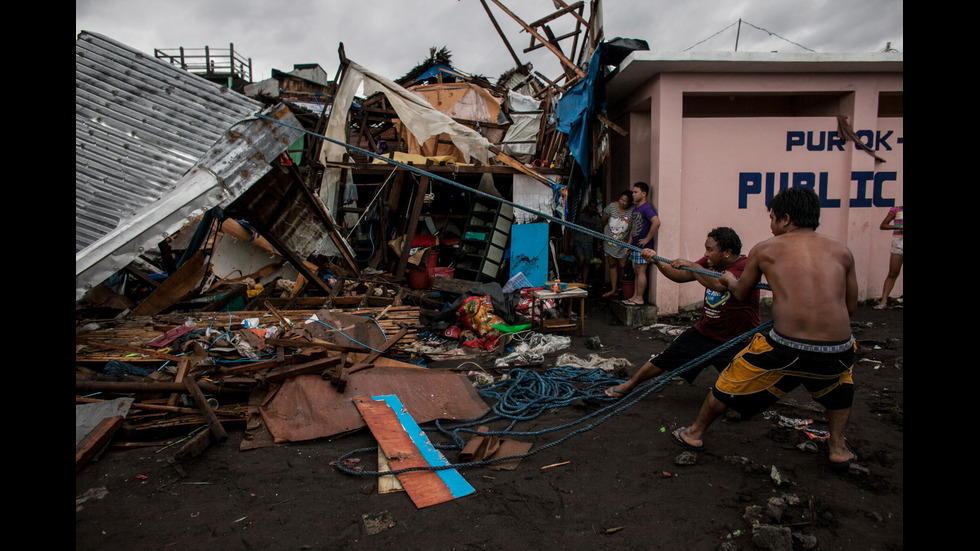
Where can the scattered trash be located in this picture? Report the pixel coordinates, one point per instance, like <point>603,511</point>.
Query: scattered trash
<point>375,523</point>
<point>808,446</point>
<point>593,343</point>
<point>686,458</point>
<point>594,361</point>
<point>776,477</point>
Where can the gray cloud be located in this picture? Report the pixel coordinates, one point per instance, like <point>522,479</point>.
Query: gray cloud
<point>392,36</point>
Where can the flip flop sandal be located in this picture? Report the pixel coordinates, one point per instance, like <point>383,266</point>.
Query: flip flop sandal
<point>683,443</point>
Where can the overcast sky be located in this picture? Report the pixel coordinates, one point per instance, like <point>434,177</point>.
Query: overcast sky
<point>391,37</point>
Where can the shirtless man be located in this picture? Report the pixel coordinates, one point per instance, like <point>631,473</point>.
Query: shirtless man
<point>814,290</point>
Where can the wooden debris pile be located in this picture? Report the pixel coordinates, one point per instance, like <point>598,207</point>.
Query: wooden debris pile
<point>199,370</point>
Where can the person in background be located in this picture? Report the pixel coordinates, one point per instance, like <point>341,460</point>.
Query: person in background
<point>814,294</point>
<point>583,244</point>
<point>894,221</point>
<point>723,317</point>
<point>615,224</point>
<point>644,226</point>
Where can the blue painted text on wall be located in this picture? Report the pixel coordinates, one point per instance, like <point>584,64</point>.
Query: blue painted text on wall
<point>869,188</point>
<point>830,140</point>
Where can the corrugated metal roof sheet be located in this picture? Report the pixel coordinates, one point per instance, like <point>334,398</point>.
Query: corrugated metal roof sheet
<point>154,147</point>
<point>140,124</point>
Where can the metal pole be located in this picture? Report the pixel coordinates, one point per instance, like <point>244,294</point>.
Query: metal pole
<point>737,33</point>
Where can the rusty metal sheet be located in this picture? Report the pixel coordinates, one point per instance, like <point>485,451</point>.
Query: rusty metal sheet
<point>309,407</point>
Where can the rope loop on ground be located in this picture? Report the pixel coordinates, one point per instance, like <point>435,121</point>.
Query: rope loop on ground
<point>528,394</point>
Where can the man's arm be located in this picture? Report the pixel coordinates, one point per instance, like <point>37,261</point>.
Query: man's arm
<point>654,226</point>
<point>851,287</point>
<point>751,275</point>
<point>672,273</point>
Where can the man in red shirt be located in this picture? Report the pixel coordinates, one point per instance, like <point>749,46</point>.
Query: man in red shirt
<point>723,319</point>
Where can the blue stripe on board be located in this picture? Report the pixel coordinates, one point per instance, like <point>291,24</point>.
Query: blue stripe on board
<point>458,486</point>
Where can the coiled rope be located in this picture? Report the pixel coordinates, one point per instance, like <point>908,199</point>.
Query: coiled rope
<point>525,396</point>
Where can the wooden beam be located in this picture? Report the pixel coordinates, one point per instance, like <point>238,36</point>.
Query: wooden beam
<point>94,342</point>
<point>565,8</point>
<point>514,163</point>
<point>88,387</point>
<point>561,57</point>
<point>620,130</point>
<point>175,287</point>
<point>183,366</point>
<point>517,61</point>
<point>417,202</point>
<point>202,404</point>
<point>94,441</point>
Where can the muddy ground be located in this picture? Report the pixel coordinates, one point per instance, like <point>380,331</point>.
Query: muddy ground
<point>623,484</point>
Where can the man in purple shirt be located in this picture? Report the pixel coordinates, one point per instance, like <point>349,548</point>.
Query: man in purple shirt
<point>644,226</point>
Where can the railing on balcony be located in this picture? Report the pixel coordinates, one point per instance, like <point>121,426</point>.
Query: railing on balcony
<point>208,62</point>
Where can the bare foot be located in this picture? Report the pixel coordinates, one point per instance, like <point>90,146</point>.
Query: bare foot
<point>846,457</point>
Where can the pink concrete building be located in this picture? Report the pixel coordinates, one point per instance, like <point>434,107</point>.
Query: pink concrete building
<point>716,134</point>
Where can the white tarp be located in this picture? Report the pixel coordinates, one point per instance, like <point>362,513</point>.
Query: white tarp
<point>520,141</point>
<point>421,119</point>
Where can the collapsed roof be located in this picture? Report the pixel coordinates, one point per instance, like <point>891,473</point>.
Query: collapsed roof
<point>156,146</point>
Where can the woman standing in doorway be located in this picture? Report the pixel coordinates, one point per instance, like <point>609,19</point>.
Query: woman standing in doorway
<point>615,222</point>
<point>895,222</point>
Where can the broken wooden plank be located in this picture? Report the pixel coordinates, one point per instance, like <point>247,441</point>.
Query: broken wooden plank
<point>413,221</point>
<point>387,484</point>
<point>131,349</point>
<point>175,287</point>
<point>314,366</point>
<point>202,404</point>
<point>183,366</point>
<point>193,447</point>
<point>87,387</point>
<point>406,446</point>
<point>94,441</point>
<point>566,63</point>
<point>344,373</point>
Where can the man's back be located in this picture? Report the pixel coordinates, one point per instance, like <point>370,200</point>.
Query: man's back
<point>813,283</point>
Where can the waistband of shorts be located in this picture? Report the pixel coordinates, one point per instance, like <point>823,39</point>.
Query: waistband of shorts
<point>830,348</point>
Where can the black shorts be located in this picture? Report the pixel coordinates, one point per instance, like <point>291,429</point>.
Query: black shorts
<point>771,366</point>
<point>690,345</point>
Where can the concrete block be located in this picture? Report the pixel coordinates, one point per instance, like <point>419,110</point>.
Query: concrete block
<point>635,316</point>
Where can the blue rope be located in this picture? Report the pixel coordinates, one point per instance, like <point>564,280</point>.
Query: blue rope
<point>526,396</point>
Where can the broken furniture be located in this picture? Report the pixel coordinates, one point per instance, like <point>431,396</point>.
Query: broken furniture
<point>572,294</point>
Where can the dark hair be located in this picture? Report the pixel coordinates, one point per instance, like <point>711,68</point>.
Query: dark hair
<point>726,238</point>
<point>800,203</point>
<point>643,187</point>
<point>628,194</point>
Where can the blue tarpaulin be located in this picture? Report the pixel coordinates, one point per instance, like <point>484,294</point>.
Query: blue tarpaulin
<point>574,114</point>
<point>577,105</point>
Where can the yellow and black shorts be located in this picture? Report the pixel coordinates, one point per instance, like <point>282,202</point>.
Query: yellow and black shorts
<point>773,365</point>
